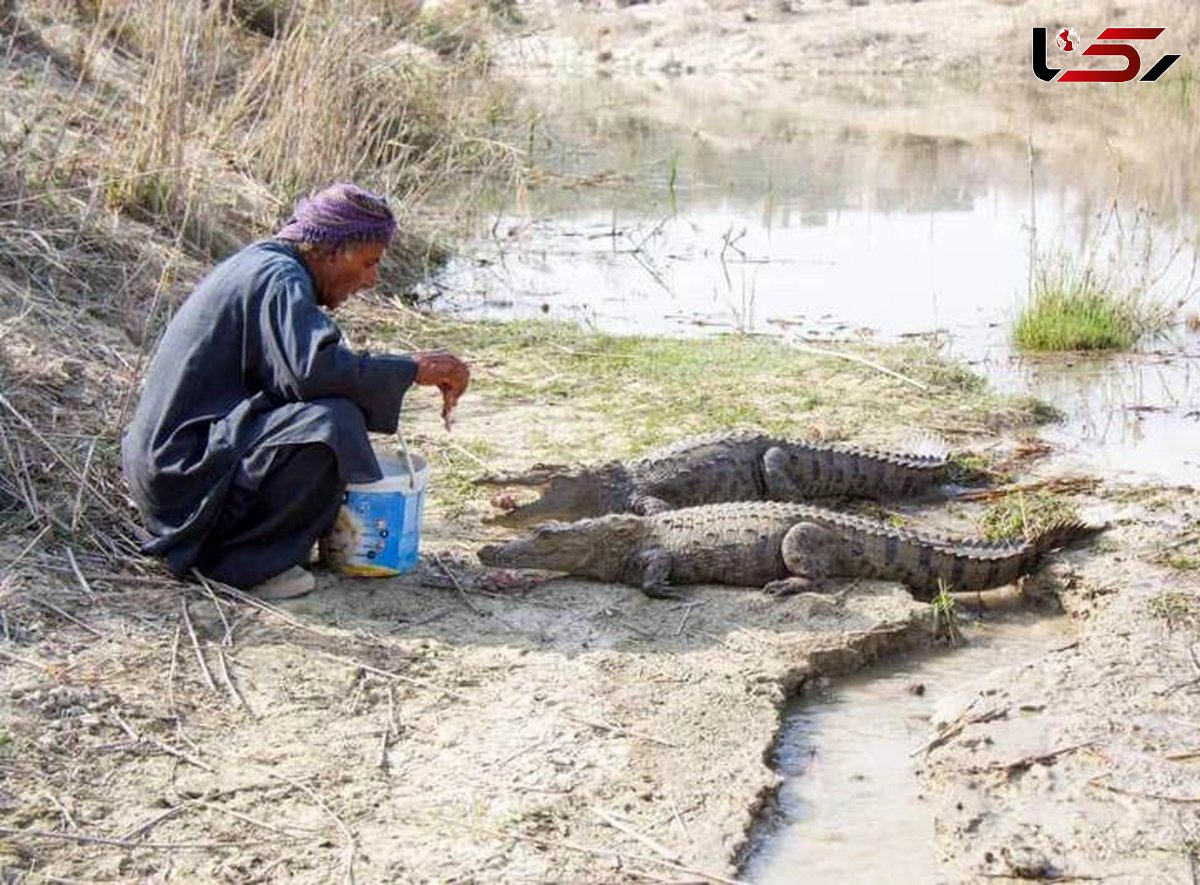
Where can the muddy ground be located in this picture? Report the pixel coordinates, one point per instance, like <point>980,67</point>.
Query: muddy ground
<point>475,729</point>
<point>417,729</point>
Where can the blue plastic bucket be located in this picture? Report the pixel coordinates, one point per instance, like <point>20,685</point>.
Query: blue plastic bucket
<point>378,527</point>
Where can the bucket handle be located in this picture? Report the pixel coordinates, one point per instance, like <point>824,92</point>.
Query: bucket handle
<point>412,474</point>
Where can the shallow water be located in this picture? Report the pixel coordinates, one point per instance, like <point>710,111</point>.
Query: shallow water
<point>851,808</point>
<point>700,218</point>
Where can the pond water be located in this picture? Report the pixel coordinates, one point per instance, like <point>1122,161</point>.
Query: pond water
<point>812,230</point>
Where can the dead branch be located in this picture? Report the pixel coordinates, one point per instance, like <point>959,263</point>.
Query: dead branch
<point>462,593</point>
<point>621,731</point>
<point>624,858</point>
<point>656,847</point>
<point>66,616</point>
<point>187,620</point>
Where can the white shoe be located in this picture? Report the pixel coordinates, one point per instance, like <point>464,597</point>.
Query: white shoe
<point>285,585</point>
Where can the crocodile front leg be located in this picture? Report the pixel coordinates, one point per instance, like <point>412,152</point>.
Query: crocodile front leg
<point>779,476</point>
<point>809,551</point>
<point>648,505</point>
<point>654,568</point>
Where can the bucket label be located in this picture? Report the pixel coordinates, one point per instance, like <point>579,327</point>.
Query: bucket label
<point>376,533</point>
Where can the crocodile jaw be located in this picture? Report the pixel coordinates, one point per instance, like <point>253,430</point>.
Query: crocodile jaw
<point>591,547</point>
<point>577,494</point>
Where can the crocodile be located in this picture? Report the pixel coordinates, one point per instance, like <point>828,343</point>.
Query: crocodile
<point>782,548</point>
<point>717,468</point>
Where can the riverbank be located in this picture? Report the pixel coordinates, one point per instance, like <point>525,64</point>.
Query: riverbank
<point>453,723</point>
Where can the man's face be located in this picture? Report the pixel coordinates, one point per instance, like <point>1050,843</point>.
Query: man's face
<point>346,271</point>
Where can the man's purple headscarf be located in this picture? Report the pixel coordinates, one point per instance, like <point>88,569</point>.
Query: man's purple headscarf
<point>341,213</point>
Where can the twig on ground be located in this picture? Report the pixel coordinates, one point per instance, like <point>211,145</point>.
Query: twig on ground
<point>1171,689</point>
<point>187,620</point>
<point>351,845</point>
<point>87,839</point>
<point>820,351</point>
<point>656,847</point>
<point>383,747</point>
<point>687,613</point>
<point>679,820</point>
<point>66,616</point>
<point>421,683</point>
<point>464,451</point>
<point>462,593</point>
<point>16,560</point>
<point>247,819</point>
<point>174,667</point>
<point>665,880</point>
<point>100,497</point>
<point>389,727</point>
<point>957,727</point>
<point>86,587</point>
<point>1160,797</point>
<point>619,731</point>
<point>17,659</point>
<point>1027,762</point>
<point>1063,485</point>
<point>144,829</point>
<point>62,809</point>
<point>227,678</point>
<point>609,852</point>
<point>540,742</point>
<point>242,596</point>
<point>161,745</point>
<point>77,510</point>
<point>227,639</point>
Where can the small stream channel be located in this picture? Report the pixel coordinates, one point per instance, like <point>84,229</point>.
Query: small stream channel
<point>708,216</point>
<point>851,806</point>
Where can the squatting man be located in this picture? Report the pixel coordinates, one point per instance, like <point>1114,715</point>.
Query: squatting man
<point>255,415</point>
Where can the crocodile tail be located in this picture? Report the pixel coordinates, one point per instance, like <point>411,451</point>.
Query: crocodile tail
<point>927,447</point>
<point>812,470</point>
<point>1064,534</point>
<point>979,565</point>
<point>881,474</point>
<point>926,563</point>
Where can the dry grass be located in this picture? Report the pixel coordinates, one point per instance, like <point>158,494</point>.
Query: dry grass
<point>70,286</point>
<point>136,134</point>
<point>188,115</point>
<point>139,141</point>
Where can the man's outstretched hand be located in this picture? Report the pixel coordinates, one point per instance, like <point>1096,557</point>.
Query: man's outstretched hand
<point>448,373</point>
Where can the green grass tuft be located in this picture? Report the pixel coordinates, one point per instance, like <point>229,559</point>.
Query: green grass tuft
<point>1176,608</point>
<point>1017,517</point>
<point>1075,320</point>
<point>1072,309</point>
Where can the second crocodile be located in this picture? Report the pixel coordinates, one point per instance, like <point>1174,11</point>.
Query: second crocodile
<point>783,548</point>
<point>721,467</point>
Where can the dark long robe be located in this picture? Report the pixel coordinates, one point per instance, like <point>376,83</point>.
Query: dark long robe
<point>249,367</point>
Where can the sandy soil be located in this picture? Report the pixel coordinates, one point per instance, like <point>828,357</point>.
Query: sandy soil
<point>571,732</point>
<point>413,729</point>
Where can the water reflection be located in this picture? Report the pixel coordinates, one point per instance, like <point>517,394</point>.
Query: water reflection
<point>1130,416</point>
